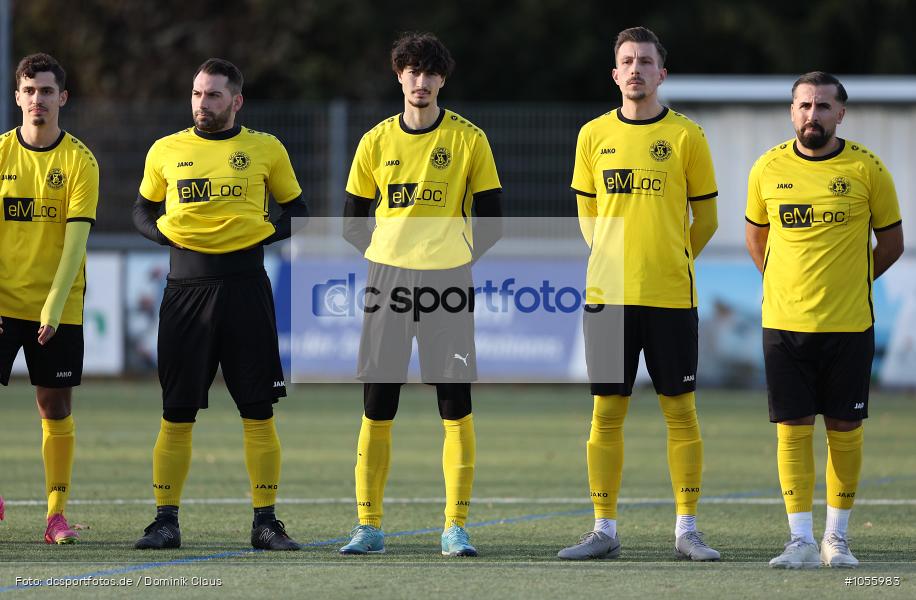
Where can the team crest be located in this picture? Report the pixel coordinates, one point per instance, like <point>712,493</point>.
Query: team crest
<point>660,150</point>
<point>440,158</point>
<point>56,179</point>
<point>239,161</point>
<point>839,186</point>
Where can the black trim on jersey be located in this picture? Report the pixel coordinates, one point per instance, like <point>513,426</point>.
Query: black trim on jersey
<point>432,127</point>
<point>891,226</point>
<point>464,215</point>
<point>755,224</point>
<point>654,119</point>
<point>81,220</point>
<point>766,259</point>
<point>219,135</point>
<point>868,262</point>
<point>833,154</point>
<point>703,197</point>
<point>29,146</point>
<point>690,275</point>
<point>581,193</point>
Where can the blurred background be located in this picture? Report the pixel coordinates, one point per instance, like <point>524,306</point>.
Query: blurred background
<point>529,73</point>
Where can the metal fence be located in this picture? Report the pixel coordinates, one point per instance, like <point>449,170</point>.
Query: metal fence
<point>533,144</point>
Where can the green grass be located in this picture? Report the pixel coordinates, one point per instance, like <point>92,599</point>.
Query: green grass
<point>531,444</point>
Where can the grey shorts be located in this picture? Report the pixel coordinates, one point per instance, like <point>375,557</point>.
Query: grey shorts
<point>434,306</point>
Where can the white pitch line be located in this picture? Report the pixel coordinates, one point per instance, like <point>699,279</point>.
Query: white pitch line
<point>477,501</point>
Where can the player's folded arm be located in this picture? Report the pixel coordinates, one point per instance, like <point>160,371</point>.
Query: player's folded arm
<point>146,212</point>
<point>283,224</point>
<point>355,222</point>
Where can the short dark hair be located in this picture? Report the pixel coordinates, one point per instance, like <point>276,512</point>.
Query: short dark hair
<point>221,66</point>
<point>41,63</point>
<point>638,35</point>
<point>423,51</point>
<point>822,78</point>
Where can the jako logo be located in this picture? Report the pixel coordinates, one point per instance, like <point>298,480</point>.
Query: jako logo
<point>340,298</point>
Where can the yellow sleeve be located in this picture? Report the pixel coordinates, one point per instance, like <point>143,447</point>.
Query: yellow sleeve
<point>583,179</point>
<point>282,181</point>
<point>71,260</point>
<point>84,193</point>
<point>756,211</point>
<point>483,174</point>
<point>701,174</point>
<point>154,186</point>
<point>361,181</point>
<point>885,209</point>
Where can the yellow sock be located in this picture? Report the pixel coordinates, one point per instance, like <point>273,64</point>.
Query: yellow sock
<point>459,453</point>
<point>171,462</point>
<point>57,441</point>
<point>262,459</point>
<point>604,453</point>
<point>685,450</point>
<point>844,462</point>
<point>795,459</point>
<point>373,456</point>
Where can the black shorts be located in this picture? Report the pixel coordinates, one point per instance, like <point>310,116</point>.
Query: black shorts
<point>406,308</point>
<point>818,373</point>
<point>57,364</point>
<point>668,336</point>
<point>208,322</point>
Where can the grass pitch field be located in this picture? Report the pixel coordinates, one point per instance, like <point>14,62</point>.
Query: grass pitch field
<point>530,500</point>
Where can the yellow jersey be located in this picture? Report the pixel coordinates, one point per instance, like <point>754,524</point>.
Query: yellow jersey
<point>216,185</point>
<point>818,268</point>
<point>42,190</point>
<point>423,183</point>
<point>642,174</point>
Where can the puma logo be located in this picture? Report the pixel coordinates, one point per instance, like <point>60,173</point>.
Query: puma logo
<point>463,359</point>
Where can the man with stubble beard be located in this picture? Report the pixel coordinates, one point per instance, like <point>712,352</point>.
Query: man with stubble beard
<point>218,308</point>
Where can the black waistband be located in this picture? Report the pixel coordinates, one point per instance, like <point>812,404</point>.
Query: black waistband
<point>187,264</point>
